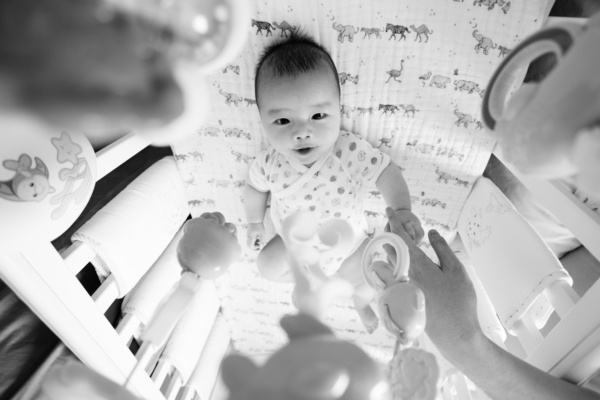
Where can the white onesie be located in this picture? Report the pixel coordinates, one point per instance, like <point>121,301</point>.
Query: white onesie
<point>333,187</point>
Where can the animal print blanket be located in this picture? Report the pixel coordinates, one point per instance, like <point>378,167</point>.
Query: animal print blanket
<point>412,75</point>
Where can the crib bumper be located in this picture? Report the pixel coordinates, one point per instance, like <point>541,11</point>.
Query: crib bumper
<point>130,232</point>
<point>512,261</point>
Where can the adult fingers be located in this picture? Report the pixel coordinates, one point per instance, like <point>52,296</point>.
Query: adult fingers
<point>442,249</point>
<point>419,233</point>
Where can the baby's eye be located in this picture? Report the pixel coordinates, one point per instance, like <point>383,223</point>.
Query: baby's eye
<point>282,121</point>
<point>319,116</point>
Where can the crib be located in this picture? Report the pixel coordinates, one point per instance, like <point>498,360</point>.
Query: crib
<point>45,280</point>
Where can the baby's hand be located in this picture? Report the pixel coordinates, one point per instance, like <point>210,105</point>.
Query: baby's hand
<point>256,236</point>
<point>410,223</point>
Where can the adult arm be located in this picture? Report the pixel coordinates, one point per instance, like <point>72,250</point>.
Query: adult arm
<point>452,325</point>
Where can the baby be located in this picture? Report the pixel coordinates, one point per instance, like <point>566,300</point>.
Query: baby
<point>311,165</point>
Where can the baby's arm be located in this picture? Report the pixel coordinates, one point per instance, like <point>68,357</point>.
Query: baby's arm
<point>395,192</point>
<point>255,203</point>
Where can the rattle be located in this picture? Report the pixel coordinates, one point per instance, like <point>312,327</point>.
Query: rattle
<point>413,373</point>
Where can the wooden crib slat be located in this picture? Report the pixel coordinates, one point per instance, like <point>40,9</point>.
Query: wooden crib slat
<point>127,327</point>
<point>118,152</point>
<point>106,294</point>
<point>160,373</point>
<point>174,385</point>
<point>572,349</point>
<point>562,297</point>
<point>77,256</point>
<point>43,281</point>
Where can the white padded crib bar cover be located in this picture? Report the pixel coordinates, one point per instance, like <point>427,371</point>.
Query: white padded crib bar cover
<point>154,286</point>
<point>205,373</point>
<point>513,262</point>
<point>486,314</point>
<point>189,336</point>
<point>132,230</point>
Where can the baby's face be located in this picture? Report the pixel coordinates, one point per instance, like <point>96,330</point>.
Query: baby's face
<point>301,115</point>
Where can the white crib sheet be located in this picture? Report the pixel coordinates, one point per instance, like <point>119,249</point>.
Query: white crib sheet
<point>436,136</point>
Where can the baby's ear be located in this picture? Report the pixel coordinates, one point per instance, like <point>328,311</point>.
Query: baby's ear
<point>238,372</point>
<point>303,325</point>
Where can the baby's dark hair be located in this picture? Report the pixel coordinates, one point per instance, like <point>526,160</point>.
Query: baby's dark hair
<point>292,56</point>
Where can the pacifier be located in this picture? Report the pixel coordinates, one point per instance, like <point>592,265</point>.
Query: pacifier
<point>401,304</point>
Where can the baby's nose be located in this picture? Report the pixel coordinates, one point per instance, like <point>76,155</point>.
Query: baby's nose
<point>302,134</point>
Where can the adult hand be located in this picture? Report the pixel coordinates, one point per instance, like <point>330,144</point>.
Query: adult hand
<point>450,298</point>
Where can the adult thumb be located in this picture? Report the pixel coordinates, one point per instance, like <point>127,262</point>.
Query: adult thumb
<point>441,248</point>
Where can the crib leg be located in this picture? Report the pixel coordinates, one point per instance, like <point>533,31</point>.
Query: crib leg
<point>562,297</point>
<point>529,336</point>
<point>462,388</point>
<point>160,373</point>
<point>127,327</point>
<point>187,393</point>
<point>174,385</point>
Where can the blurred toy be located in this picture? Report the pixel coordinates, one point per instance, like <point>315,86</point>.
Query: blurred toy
<point>75,381</point>
<point>107,67</point>
<point>550,129</point>
<point>413,373</point>
<point>314,365</point>
<point>401,304</point>
<point>208,246</point>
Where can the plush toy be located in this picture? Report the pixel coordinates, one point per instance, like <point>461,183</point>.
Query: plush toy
<point>314,365</point>
<point>550,128</point>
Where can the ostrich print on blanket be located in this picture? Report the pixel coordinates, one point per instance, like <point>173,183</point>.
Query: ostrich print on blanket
<point>423,67</point>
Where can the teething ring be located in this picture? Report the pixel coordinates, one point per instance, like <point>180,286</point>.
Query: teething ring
<point>401,265</point>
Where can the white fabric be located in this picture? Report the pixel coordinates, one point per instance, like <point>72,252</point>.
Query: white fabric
<point>155,285</point>
<point>189,336</point>
<point>132,230</point>
<point>434,136</point>
<point>513,262</point>
<point>205,373</point>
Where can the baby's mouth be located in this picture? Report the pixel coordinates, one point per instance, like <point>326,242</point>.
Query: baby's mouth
<point>304,151</point>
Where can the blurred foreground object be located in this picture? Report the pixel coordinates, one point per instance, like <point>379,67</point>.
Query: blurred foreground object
<point>108,67</point>
<point>550,129</point>
<point>46,180</point>
<point>314,365</point>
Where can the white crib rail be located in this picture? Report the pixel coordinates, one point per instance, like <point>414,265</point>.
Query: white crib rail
<point>572,349</point>
<point>46,281</point>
